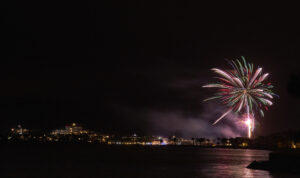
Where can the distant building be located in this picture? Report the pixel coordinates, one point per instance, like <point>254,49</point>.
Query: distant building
<point>72,129</point>
<point>137,140</point>
<point>19,130</point>
<point>19,134</point>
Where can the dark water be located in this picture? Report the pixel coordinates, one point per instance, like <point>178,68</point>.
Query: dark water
<point>114,161</point>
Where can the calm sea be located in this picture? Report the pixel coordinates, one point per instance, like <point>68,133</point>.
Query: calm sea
<point>130,161</point>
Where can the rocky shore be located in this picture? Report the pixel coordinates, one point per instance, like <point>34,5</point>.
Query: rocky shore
<point>279,161</point>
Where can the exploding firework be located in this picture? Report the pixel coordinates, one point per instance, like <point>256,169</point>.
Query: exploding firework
<point>242,90</point>
<point>249,123</point>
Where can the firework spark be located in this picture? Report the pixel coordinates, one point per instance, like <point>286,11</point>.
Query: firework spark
<point>242,90</point>
<point>249,124</point>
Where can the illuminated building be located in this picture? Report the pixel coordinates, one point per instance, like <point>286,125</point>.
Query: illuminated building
<point>72,129</point>
<point>137,140</point>
<point>155,142</point>
<point>228,143</point>
<point>184,141</point>
<point>243,144</point>
<point>19,130</point>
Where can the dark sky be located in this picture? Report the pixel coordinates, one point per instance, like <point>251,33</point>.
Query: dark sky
<point>139,67</point>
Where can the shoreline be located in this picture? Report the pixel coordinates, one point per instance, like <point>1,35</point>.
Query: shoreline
<point>134,145</point>
<point>279,161</point>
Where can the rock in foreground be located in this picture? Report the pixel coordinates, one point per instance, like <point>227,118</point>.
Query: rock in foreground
<point>281,161</point>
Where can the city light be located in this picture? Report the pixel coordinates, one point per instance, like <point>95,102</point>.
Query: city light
<point>75,133</point>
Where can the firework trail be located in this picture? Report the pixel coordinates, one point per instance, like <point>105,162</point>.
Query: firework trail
<point>242,90</point>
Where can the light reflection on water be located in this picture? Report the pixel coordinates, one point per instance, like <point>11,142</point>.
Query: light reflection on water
<point>99,161</point>
<point>232,163</point>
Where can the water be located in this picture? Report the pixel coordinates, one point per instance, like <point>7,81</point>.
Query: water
<point>231,163</point>
<point>114,161</point>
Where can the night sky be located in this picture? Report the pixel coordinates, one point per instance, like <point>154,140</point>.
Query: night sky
<point>138,67</point>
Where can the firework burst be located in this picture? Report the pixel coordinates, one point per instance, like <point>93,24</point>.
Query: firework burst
<point>242,90</point>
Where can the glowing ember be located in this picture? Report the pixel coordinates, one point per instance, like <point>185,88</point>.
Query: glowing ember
<point>249,124</point>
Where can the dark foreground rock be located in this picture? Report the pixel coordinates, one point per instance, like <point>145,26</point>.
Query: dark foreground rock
<point>279,161</point>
